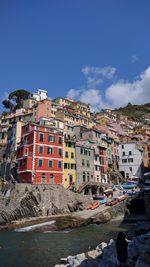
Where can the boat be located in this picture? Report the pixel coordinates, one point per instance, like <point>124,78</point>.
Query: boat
<point>132,193</point>
<point>101,199</point>
<point>89,206</point>
<point>129,185</point>
<point>121,198</point>
<point>112,202</point>
<point>93,205</point>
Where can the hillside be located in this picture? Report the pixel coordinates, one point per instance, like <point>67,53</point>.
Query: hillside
<point>135,112</point>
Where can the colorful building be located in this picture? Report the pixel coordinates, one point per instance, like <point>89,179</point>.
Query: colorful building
<point>131,161</point>
<point>42,109</point>
<point>40,155</point>
<point>69,164</point>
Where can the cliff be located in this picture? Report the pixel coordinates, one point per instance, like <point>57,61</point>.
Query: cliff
<point>26,200</point>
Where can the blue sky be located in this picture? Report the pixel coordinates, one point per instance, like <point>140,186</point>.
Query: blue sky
<point>93,50</point>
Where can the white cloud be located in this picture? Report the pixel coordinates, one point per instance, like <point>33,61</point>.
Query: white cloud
<point>134,58</point>
<point>96,75</point>
<point>136,92</point>
<point>117,94</point>
<point>107,72</point>
<point>73,93</point>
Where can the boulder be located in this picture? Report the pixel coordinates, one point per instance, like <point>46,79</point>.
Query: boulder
<point>103,217</point>
<point>143,261</point>
<point>76,260</point>
<point>93,254</point>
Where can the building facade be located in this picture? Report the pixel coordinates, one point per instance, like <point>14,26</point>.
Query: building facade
<point>69,164</point>
<point>84,164</point>
<point>40,155</point>
<point>130,163</point>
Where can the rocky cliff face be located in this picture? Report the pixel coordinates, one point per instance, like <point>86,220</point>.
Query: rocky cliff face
<point>25,200</point>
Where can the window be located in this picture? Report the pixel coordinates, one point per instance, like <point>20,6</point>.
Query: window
<point>81,150</point>
<point>130,153</point>
<point>84,177</point>
<point>40,149</point>
<point>51,178</point>
<point>72,155</point>
<point>89,153</point>
<point>130,168</point>
<point>88,163</point>
<point>43,178</point>
<point>50,164</point>
<point>41,137</point>
<point>83,162</point>
<point>124,160</point>
<point>26,151</point>
<point>122,146</point>
<point>60,152</point>
<point>59,140</point>
<point>59,164</point>
<point>66,154</point>
<point>88,177</point>
<point>85,152</point>
<point>130,160</point>
<point>68,165</point>
<point>51,138</point>
<point>123,153</point>
<point>49,150</point>
<point>97,168</point>
<point>72,166</point>
<point>65,165</point>
<point>40,163</point>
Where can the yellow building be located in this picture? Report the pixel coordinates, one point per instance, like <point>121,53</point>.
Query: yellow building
<point>69,164</point>
<point>141,129</point>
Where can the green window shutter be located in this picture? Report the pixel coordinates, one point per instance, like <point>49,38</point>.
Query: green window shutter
<point>59,140</point>
<point>59,164</point>
<point>50,163</point>
<point>66,154</point>
<point>40,162</point>
<point>40,149</point>
<point>41,137</point>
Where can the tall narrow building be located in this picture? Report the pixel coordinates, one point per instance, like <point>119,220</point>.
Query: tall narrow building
<point>40,155</point>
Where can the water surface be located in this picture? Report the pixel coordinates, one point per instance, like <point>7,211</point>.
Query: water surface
<point>34,249</point>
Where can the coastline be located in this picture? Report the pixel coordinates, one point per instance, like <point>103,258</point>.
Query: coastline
<point>100,215</point>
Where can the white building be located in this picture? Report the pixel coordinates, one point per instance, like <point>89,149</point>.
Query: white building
<point>40,95</point>
<point>130,163</point>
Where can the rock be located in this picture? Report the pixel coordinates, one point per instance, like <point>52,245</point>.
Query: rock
<point>27,200</point>
<point>93,254</point>
<point>76,260</point>
<point>143,261</point>
<point>103,217</point>
<point>101,246</point>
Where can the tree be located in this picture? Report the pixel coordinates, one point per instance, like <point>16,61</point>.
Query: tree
<point>8,105</point>
<point>15,99</point>
<point>18,96</point>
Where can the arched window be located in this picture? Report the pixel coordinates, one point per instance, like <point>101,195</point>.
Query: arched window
<point>52,178</point>
<point>43,178</point>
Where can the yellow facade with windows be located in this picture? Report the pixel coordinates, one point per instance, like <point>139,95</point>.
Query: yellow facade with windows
<point>69,164</point>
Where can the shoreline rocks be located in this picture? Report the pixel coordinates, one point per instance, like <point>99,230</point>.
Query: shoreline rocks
<point>105,255</point>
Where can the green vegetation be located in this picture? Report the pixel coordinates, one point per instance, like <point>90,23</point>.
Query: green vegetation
<point>15,99</point>
<point>134,112</point>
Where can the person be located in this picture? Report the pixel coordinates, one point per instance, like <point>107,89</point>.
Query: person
<point>122,249</point>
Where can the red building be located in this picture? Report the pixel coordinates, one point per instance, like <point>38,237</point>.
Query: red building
<point>40,155</point>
